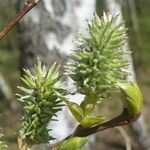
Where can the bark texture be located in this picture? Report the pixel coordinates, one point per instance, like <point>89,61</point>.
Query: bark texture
<point>42,33</point>
<point>6,93</point>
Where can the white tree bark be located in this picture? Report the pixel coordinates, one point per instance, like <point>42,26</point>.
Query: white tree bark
<point>6,93</point>
<point>136,28</point>
<point>138,128</point>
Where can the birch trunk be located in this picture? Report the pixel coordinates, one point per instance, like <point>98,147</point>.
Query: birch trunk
<point>135,23</point>
<point>6,93</point>
<point>48,31</point>
<point>138,128</point>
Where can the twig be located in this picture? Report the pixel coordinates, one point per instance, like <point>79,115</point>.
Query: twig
<point>126,138</point>
<point>123,119</point>
<point>26,8</point>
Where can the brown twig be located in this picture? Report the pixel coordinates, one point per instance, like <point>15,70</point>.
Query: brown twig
<point>26,8</point>
<point>123,119</point>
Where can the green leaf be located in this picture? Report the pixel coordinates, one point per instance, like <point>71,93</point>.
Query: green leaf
<point>74,108</point>
<point>133,98</point>
<point>90,121</point>
<point>75,143</point>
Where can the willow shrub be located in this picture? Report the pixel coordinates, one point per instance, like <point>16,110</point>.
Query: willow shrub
<point>97,69</point>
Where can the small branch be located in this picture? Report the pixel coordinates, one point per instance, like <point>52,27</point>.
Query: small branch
<point>25,9</point>
<point>23,144</point>
<point>126,138</point>
<point>123,119</point>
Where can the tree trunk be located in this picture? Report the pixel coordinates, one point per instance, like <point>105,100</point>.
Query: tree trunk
<point>48,31</point>
<point>136,28</point>
<point>6,93</point>
<point>138,128</point>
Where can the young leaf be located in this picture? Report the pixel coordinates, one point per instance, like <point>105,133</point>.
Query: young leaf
<point>133,98</point>
<point>75,143</point>
<point>90,121</point>
<point>74,108</point>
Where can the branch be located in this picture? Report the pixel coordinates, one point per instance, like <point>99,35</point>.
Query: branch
<point>126,138</point>
<point>25,9</point>
<point>123,119</point>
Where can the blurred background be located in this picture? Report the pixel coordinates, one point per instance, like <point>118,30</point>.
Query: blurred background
<point>48,31</point>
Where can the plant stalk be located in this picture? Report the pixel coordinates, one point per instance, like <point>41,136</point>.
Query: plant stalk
<point>25,9</point>
<point>123,119</point>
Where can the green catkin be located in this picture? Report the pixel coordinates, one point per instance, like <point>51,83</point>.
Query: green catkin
<point>40,102</point>
<point>97,63</point>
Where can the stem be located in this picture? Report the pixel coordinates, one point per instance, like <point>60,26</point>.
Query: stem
<point>126,138</point>
<point>22,144</point>
<point>123,119</point>
<point>25,9</point>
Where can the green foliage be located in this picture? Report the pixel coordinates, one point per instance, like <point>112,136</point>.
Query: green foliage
<point>40,102</point>
<point>133,98</point>
<point>97,67</point>
<point>86,120</point>
<point>75,143</point>
<point>89,121</point>
<point>3,146</point>
<point>74,108</point>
